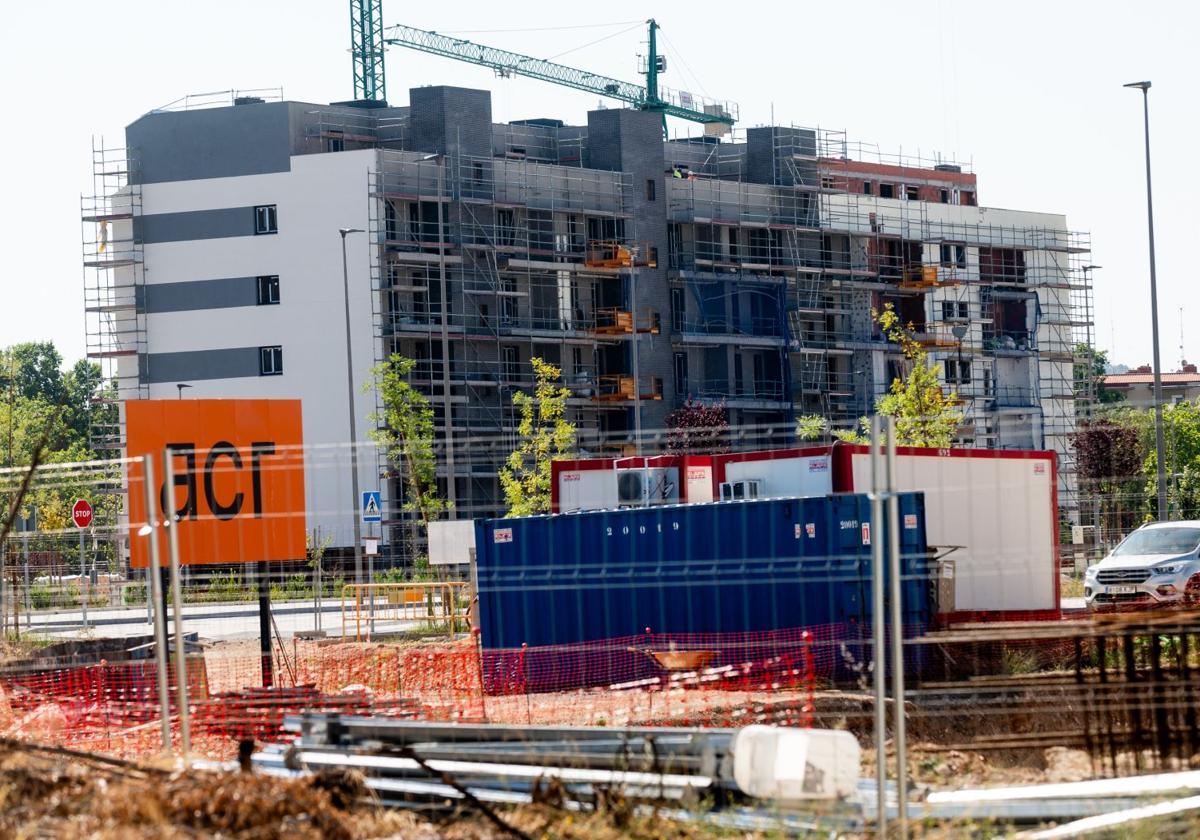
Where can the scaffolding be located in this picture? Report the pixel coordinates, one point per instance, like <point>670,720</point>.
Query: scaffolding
<point>113,286</point>
<point>999,299</point>
<point>516,250</point>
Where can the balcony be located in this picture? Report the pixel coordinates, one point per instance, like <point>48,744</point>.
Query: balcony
<point>935,336</point>
<point>722,390</point>
<point>621,388</point>
<point>1009,342</point>
<point>750,332</point>
<point>616,321</point>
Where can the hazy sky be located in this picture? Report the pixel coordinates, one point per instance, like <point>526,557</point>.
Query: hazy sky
<point>1028,93</point>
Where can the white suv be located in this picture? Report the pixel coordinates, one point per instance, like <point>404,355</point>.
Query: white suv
<point>1156,564</point>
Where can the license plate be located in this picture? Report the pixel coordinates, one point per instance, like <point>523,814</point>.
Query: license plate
<point>1121,590</point>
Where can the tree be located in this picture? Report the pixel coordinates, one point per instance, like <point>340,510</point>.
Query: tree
<point>1091,366</point>
<point>925,414</point>
<point>1181,427</point>
<point>811,427</point>
<point>545,436</point>
<point>407,433</point>
<point>698,429</point>
<point>1109,458</point>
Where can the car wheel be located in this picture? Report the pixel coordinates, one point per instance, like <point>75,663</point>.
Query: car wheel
<point>1191,593</point>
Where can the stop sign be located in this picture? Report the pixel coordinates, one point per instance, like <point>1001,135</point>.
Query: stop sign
<point>81,513</point>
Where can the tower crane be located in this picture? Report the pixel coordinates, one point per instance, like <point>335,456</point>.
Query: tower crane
<point>369,41</point>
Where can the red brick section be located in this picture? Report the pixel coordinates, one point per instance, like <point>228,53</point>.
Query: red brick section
<point>851,174</point>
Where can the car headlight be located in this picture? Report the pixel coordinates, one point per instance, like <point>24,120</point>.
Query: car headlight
<point>1169,569</point>
<point>1090,572</point>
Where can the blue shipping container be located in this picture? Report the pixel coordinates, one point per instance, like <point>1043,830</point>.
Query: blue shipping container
<point>725,567</point>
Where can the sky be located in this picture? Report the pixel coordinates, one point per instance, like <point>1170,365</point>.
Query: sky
<point>1027,93</point>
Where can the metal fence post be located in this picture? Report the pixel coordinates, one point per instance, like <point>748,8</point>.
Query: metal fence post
<point>28,602</point>
<point>878,641</point>
<point>181,683</point>
<point>898,726</point>
<point>160,619</point>
<point>83,581</point>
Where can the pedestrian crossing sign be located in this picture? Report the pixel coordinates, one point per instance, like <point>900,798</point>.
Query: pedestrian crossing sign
<point>372,506</point>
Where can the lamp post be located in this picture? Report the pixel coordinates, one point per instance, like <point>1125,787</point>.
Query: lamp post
<point>355,495</point>
<point>180,386</point>
<point>1159,442</point>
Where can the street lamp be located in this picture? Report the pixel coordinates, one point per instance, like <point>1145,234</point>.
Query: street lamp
<point>181,386</point>
<point>1159,442</point>
<point>355,495</point>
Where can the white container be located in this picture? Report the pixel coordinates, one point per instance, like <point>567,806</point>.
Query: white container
<point>781,763</point>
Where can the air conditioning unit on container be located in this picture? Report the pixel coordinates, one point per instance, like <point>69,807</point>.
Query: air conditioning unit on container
<point>747,488</point>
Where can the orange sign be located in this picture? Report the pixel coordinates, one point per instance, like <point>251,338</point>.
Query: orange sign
<point>239,478</point>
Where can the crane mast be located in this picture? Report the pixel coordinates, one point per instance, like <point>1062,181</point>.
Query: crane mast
<point>366,47</point>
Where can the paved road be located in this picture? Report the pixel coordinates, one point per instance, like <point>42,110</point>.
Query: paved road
<point>211,621</point>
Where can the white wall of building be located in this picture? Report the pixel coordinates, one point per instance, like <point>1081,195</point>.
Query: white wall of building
<point>321,193</point>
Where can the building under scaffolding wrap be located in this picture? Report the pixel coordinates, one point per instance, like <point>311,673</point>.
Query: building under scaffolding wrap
<point>213,260</point>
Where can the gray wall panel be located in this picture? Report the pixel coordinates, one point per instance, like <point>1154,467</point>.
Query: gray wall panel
<point>201,294</point>
<point>210,143</point>
<point>227,363</point>
<point>195,224</point>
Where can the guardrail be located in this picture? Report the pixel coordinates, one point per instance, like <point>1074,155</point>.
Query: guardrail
<point>439,603</point>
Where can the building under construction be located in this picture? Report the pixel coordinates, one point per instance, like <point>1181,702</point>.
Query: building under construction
<point>740,269</point>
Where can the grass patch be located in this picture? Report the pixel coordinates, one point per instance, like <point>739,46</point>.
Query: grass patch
<point>1072,587</point>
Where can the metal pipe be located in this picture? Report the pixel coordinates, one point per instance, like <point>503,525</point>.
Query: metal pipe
<point>181,683</point>
<point>160,619</point>
<point>878,640</point>
<point>898,725</point>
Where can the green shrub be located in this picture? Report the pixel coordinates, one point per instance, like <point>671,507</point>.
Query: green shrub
<point>40,597</point>
<point>134,594</point>
<point>227,587</point>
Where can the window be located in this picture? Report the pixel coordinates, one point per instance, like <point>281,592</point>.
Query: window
<point>268,290</point>
<point>958,371</point>
<point>270,361</point>
<point>512,366</point>
<point>967,197</point>
<point>953,255</point>
<point>678,302</point>
<point>681,374</point>
<point>650,189</point>
<point>577,361</point>
<point>954,310</point>
<point>264,219</point>
<point>828,183</point>
<point>887,190</point>
<point>912,193</point>
<point>944,196</point>
<point>506,227</point>
<point>868,187</point>
<point>335,141</point>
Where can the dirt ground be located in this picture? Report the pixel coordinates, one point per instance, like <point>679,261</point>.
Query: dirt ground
<point>47,795</point>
